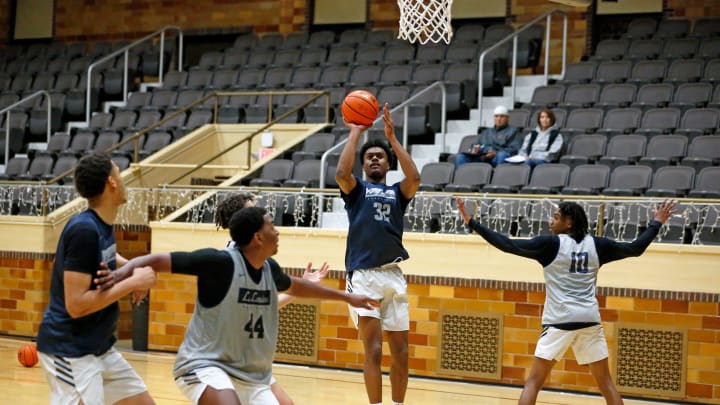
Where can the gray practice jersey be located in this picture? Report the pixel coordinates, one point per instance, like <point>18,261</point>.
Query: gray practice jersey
<point>239,334</point>
<point>570,283</point>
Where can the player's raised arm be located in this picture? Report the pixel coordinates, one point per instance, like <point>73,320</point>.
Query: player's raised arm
<point>411,182</point>
<point>344,174</point>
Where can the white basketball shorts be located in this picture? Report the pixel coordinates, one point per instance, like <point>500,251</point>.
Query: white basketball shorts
<point>588,344</point>
<point>96,380</point>
<point>194,384</point>
<point>388,286</point>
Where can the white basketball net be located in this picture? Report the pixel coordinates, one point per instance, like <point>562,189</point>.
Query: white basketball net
<point>425,20</point>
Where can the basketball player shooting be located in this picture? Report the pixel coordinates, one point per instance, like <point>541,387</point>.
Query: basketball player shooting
<point>571,316</point>
<point>374,249</point>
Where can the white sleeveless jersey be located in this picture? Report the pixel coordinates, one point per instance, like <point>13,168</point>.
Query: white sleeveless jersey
<point>239,334</point>
<point>570,283</point>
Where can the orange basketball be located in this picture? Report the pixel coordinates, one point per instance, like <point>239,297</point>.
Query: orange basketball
<point>27,355</point>
<point>360,107</point>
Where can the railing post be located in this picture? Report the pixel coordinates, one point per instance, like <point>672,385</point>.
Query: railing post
<point>564,48</point>
<point>7,138</point>
<point>481,63</point>
<point>162,56</point>
<point>405,127</point>
<point>514,70</point>
<point>126,55</point>
<point>87,96</point>
<point>548,21</point>
<point>49,117</point>
<point>180,51</point>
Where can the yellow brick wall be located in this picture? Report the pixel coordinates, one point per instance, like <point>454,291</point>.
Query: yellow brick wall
<point>25,282</point>
<point>173,300</point>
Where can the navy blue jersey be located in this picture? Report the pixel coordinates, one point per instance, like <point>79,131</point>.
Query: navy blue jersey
<point>85,242</point>
<point>375,213</point>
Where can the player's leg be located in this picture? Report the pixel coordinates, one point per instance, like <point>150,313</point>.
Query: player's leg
<point>371,336</point>
<point>396,322</point>
<point>139,399</point>
<point>590,348</point>
<point>211,396</point>
<point>123,386</point>
<point>399,368</point>
<point>74,380</point>
<point>601,373</point>
<point>538,374</point>
<point>551,346</point>
<point>208,386</point>
<point>282,397</point>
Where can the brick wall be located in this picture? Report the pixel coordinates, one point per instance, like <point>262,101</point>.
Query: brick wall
<point>4,21</point>
<point>92,19</point>
<point>520,304</point>
<point>25,282</point>
<point>693,9</point>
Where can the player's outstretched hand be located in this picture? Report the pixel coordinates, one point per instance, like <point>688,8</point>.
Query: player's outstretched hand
<point>461,210</point>
<point>361,301</point>
<point>389,126</point>
<point>664,211</point>
<point>316,275</point>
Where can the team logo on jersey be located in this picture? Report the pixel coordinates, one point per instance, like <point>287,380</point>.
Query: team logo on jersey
<point>108,255</point>
<point>379,193</point>
<point>254,297</point>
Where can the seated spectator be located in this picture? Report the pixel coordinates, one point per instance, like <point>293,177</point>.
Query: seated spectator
<point>494,144</point>
<point>542,144</point>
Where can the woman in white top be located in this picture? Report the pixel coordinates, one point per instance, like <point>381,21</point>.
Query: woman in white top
<point>542,144</point>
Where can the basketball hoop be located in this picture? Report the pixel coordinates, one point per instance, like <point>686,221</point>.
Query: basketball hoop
<point>425,21</point>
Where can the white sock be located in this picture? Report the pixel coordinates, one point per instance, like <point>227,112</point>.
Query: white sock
<point>379,403</point>
<point>397,403</point>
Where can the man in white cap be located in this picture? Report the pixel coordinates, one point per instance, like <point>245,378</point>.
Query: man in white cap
<point>494,144</point>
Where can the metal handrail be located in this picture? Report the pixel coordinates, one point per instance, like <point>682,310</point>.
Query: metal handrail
<point>8,109</point>
<point>404,105</point>
<point>514,37</point>
<point>249,138</point>
<point>126,52</point>
<point>136,136</point>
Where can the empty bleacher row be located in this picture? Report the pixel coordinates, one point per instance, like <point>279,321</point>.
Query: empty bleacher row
<point>61,70</point>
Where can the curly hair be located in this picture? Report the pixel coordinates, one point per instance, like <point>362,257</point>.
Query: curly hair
<point>230,205</point>
<point>575,212</point>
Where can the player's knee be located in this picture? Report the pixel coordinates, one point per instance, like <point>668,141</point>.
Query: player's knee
<point>373,353</point>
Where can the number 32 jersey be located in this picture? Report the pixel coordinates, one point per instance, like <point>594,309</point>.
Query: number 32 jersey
<point>375,213</point>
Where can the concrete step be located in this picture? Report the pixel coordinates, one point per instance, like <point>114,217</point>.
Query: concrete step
<point>426,151</point>
<point>464,126</point>
<point>108,105</point>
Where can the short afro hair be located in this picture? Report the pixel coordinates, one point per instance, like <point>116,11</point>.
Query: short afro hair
<point>380,144</point>
<point>91,174</point>
<point>245,223</point>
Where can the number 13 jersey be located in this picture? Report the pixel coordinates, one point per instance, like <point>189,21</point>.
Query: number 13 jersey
<point>239,334</point>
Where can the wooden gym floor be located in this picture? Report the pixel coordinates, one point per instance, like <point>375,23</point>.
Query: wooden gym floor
<point>306,385</point>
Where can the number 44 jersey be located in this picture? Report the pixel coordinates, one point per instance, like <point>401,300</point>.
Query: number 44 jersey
<point>238,335</point>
